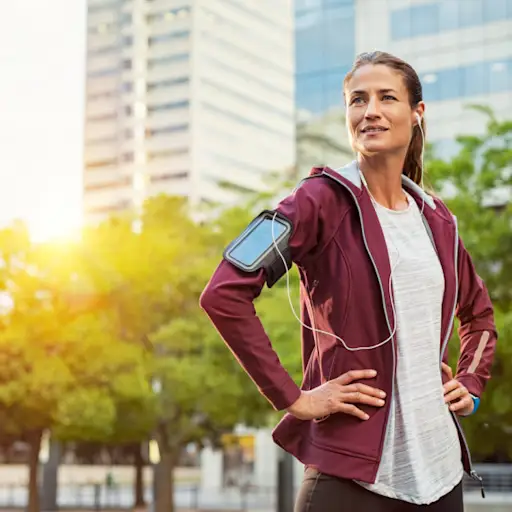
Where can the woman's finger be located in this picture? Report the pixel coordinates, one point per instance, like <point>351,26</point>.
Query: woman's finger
<point>464,404</point>
<point>361,398</point>
<point>455,394</point>
<point>451,385</point>
<point>353,411</point>
<point>447,369</point>
<point>363,388</point>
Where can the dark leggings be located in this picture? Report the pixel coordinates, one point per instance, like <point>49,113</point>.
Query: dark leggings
<point>323,493</point>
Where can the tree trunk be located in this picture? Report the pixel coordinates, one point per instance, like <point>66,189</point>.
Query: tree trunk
<point>165,482</point>
<point>49,478</point>
<point>139,476</point>
<point>34,441</point>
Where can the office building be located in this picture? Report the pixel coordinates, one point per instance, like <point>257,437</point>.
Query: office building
<point>184,96</point>
<point>462,50</point>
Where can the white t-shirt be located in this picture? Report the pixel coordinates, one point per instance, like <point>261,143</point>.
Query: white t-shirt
<point>421,460</point>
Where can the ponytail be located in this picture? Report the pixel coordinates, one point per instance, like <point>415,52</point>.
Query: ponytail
<point>413,167</point>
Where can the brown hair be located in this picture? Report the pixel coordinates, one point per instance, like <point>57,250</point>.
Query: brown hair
<point>413,164</point>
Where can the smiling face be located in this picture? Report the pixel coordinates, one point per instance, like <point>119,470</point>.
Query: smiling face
<point>380,117</point>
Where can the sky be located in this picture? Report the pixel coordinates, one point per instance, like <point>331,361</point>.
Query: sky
<point>42,56</point>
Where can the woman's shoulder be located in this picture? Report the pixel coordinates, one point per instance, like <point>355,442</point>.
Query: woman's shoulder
<point>320,180</point>
<point>314,195</point>
<point>442,207</point>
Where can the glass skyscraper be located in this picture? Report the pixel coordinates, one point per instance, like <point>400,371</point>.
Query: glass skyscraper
<point>324,48</point>
<point>462,50</point>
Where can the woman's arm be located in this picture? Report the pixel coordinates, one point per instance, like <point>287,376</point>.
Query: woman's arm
<point>477,330</point>
<point>228,298</point>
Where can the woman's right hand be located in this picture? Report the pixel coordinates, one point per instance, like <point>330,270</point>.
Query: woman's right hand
<point>338,395</point>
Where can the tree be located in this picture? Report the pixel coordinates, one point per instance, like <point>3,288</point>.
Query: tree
<point>66,370</point>
<point>150,274</point>
<point>477,183</point>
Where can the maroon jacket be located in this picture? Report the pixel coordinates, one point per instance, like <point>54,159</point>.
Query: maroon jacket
<point>339,248</point>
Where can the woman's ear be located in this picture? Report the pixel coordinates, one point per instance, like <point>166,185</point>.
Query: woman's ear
<point>419,112</point>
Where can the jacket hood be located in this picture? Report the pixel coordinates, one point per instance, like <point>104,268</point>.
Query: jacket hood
<point>350,173</point>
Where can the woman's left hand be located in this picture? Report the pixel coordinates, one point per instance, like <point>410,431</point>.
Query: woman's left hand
<point>457,395</point>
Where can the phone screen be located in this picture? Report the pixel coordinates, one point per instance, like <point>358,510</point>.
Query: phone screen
<point>257,241</point>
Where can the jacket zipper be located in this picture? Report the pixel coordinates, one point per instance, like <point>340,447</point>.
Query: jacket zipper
<point>472,473</point>
<point>383,303</point>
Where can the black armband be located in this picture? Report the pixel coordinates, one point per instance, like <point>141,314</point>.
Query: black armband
<point>255,247</point>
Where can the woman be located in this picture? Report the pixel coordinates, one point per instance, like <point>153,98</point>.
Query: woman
<point>383,273</point>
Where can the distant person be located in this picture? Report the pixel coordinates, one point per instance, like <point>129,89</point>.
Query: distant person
<point>383,274</point>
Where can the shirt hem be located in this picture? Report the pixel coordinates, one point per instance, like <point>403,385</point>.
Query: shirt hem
<point>389,492</point>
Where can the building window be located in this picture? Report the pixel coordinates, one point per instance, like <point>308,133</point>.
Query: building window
<point>101,95</point>
<point>253,56</point>
<point>169,176</point>
<point>100,142</point>
<point>168,106</point>
<point>127,87</point>
<point>432,18</point>
<point>169,15</point>
<point>102,72</point>
<point>183,34</point>
<point>473,80</point>
<point>153,86</point>
<point>261,104</point>
<point>103,50</point>
<point>102,28</point>
<point>497,10</point>
<point>236,73</point>
<point>269,19</point>
<point>157,155</point>
<point>95,164</point>
<point>325,39</point>
<point>127,157</point>
<point>240,119</point>
<point>162,61</point>
<point>126,18</point>
<point>103,6</point>
<point>307,5</point>
<point>321,91</point>
<point>116,207</point>
<point>102,117</point>
<point>167,129</point>
<point>109,185</point>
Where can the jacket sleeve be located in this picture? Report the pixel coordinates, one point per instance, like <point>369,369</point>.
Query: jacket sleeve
<point>477,330</point>
<point>228,301</point>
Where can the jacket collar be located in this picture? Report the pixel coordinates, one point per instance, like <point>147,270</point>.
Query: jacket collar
<point>350,173</point>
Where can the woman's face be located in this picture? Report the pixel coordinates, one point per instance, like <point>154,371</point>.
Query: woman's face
<point>379,115</point>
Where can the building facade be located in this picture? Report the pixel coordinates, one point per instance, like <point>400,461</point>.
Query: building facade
<point>462,50</point>
<point>184,96</point>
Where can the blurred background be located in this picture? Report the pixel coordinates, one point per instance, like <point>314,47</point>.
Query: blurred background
<point>138,138</point>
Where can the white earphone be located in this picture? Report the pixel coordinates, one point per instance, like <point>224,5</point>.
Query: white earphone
<point>418,118</point>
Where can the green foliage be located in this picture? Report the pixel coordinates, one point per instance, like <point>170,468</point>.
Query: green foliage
<point>478,177</point>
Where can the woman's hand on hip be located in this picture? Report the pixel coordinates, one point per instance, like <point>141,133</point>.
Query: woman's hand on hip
<point>457,395</point>
<point>339,395</point>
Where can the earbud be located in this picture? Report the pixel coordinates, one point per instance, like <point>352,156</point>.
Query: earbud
<point>418,118</point>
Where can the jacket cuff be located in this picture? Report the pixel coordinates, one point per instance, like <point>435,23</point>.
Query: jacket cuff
<point>283,396</point>
<point>471,382</point>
